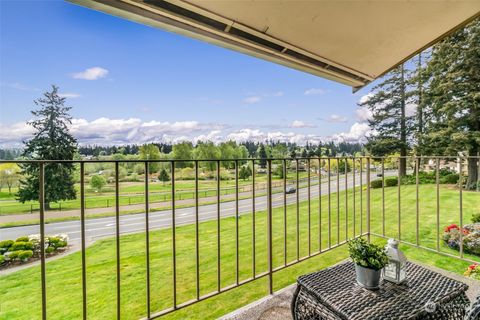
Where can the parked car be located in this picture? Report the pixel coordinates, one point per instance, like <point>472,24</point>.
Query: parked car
<point>289,190</point>
<point>379,175</point>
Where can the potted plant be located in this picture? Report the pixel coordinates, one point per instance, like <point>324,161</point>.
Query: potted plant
<point>369,261</point>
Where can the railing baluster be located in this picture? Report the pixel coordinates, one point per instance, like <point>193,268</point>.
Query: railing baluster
<point>417,207</point>
<point>269,225</point>
<point>460,187</point>
<point>329,205</point>
<point>41,200</point>
<point>346,198</point>
<point>399,192</point>
<point>197,243</point>
<point>253,221</point>
<point>284,212</point>
<point>354,198</point>
<point>237,265</point>
<point>383,196</point>
<point>309,209</point>
<point>82,235</point>
<point>437,182</point>
<point>361,196</point>
<point>319,204</point>
<point>368,199</point>
<point>338,200</point>
<point>174,244</point>
<point>218,227</point>
<point>297,202</point>
<point>147,236</point>
<point>117,237</point>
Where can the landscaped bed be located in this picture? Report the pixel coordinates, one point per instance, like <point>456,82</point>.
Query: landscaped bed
<point>27,249</point>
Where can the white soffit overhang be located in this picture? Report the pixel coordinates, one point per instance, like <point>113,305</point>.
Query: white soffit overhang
<point>352,42</point>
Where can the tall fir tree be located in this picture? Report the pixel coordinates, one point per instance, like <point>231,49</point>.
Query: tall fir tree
<point>452,98</point>
<point>418,81</point>
<point>262,154</point>
<point>387,103</point>
<point>51,141</point>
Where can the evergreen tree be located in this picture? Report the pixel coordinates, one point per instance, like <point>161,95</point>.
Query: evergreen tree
<point>318,151</point>
<point>293,153</point>
<point>262,154</point>
<point>163,176</point>
<point>304,153</point>
<point>389,120</point>
<point>52,141</point>
<point>452,98</point>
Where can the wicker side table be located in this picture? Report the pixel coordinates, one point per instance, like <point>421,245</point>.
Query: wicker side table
<point>333,294</point>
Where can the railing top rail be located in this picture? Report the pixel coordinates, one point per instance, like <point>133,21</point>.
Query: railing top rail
<point>231,159</point>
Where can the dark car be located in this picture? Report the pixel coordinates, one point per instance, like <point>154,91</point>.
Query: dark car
<point>379,175</point>
<point>289,190</point>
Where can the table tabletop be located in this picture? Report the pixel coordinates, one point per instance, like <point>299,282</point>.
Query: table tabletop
<point>336,289</point>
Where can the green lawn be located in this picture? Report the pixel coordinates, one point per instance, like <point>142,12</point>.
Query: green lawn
<point>20,291</point>
<point>133,193</point>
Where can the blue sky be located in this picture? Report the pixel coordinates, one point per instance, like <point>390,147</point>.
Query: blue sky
<point>131,83</point>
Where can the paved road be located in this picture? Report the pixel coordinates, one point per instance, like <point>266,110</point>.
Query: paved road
<point>104,227</point>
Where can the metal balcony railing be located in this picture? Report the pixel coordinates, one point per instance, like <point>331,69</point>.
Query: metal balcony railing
<point>357,174</point>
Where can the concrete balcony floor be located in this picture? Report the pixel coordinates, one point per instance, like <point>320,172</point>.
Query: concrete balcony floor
<point>277,305</point>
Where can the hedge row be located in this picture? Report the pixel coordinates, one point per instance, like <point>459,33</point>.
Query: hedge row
<point>24,248</point>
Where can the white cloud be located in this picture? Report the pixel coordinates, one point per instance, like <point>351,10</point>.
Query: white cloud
<point>301,124</point>
<point>277,94</point>
<point>105,131</point>
<point>94,73</point>
<point>18,86</point>
<point>14,134</point>
<point>337,118</point>
<point>410,109</point>
<point>314,91</point>
<point>363,114</point>
<point>365,98</point>
<point>252,99</point>
<point>72,95</point>
<point>358,133</point>
<point>262,136</point>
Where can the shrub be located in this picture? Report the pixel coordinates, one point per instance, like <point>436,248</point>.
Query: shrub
<point>50,249</point>
<point>25,255</point>
<point>375,184</point>
<point>2,259</point>
<point>476,218</point>
<point>12,256</point>
<point>446,177</point>
<point>6,244</point>
<point>17,246</point>
<point>451,178</point>
<point>53,241</point>
<point>391,182</point>
<point>366,254</point>
<point>22,239</point>
<point>21,245</point>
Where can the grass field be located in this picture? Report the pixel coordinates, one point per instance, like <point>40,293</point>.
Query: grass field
<point>20,291</point>
<point>133,193</point>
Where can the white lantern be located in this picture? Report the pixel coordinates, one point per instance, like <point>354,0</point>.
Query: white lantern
<point>396,269</point>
